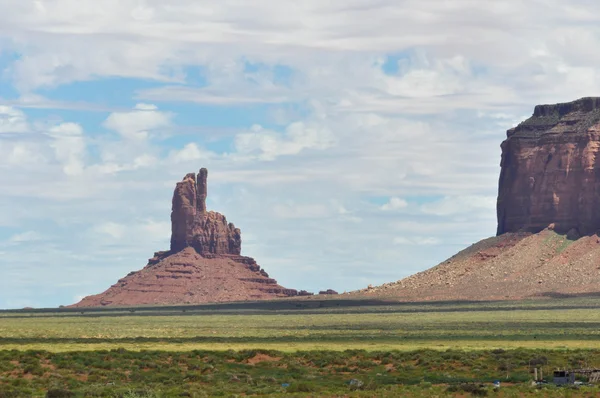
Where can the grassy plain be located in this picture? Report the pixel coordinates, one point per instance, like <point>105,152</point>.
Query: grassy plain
<point>317,347</point>
<point>572,323</point>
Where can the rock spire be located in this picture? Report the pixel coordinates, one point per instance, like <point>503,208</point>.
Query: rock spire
<point>204,264</point>
<point>193,226</point>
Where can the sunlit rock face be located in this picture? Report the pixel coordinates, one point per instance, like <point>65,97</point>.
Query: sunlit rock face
<point>550,170</point>
<point>193,226</point>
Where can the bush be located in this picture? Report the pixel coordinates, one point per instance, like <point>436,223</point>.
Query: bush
<point>9,394</point>
<point>59,393</point>
<point>474,389</point>
<point>301,387</point>
<point>541,360</point>
<point>35,370</point>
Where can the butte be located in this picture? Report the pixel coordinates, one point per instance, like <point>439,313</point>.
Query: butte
<point>203,265</point>
<point>548,211</point>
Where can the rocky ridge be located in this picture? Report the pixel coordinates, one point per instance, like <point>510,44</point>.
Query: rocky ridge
<point>509,266</point>
<point>203,265</point>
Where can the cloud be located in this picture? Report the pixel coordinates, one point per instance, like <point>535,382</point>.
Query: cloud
<point>190,152</point>
<point>418,240</point>
<point>137,125</point>
<point>212,97</point>
<point>292,211</point>
<point>268,145</point>
<point>394,203</point>
<point>12,120</point>
<point>111,229</point>
<point>25,237</point>
<point>16,154</point>
<point>460,205</point>
<point>142,230</point>
<point>69,147</point>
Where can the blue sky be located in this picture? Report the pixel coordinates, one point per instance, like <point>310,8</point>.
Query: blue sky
<point>354,142</point>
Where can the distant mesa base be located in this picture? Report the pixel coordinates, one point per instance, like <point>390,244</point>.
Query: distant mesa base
<point>187,277</point>
<point>506,267</point>
<point>204,264</point>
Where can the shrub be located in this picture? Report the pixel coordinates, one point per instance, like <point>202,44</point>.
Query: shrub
<point>541,360</point>
<point>9,394</point>
<point>301,387</point>
<point>474,389</point>
<point>59,393</point>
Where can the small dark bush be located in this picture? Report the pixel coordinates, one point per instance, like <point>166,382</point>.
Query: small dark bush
<point>9,394</point>
<point>58,393</point>
<point>477,390</point>
<point>541,360</point>
<point>301,387</point>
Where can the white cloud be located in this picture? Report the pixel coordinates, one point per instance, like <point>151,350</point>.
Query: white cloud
<point>190,152</point>
<point>142,231</point>
<point>24,237</point>
<point>111,165</point>
<point>461,204</point>
<point>145,160</point>
<point>12,120</point>
<point>328,57</point>
<point>268,145</point>
<point>22,153</point>
<point>292,210</point>
<point>395,203</point>
<point>418,240</point>
<point>212,97</point>
<point>139,123</point>
<point>145,107</point>
<point>111,229</point>
<point>69,147</point>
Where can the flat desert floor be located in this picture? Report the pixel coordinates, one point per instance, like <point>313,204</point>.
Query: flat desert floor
<point>312,347</point>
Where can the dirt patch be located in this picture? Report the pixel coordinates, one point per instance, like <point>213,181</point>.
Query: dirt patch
<point>262,358</point>
<point>46,364</point>
<point>81,377</point>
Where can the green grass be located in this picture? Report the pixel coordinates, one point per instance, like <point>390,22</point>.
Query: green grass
<point>458,326</point>
<point>121,373</point>
<point>393,349</point>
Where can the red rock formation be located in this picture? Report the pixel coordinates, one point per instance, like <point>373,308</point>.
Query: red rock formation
<point>548,211</point>
<point>187,277</point>
<point>328,291</point>
<point>204,263</point>
<point>550,171</point>
<point>193,226</point>
<point>506,267</point>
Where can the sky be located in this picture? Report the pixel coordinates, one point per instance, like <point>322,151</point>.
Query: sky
<point>354,142</point>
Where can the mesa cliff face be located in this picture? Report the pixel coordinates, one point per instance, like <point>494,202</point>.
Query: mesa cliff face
<point>550,171</point>
<point>204,264</point>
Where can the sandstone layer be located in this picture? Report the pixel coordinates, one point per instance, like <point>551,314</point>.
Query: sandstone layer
<point>187,277</point>
<point>550,170</point>
<point>204,264</point>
